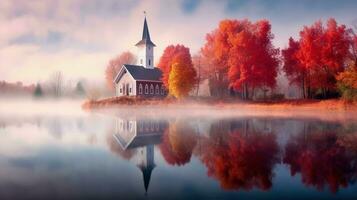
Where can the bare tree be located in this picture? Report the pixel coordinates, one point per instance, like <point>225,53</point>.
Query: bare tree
<point>56,83</point>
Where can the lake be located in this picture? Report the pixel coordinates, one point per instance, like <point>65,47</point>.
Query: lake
<point>57,151</point>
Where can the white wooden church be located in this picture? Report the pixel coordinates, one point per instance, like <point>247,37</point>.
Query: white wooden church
<point>142,79</point>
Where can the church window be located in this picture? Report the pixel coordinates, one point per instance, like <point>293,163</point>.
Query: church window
<point>140,88</point>
<point>146,89</point>
<point>157,89</point>
<point>162,90</point>
<point>151,89</point>
<point>149,62</point>
<point>130,126</point>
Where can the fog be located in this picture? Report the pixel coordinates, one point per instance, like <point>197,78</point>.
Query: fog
<point>27,108</point>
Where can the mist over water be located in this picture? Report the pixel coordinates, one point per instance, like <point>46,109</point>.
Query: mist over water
<point>54,149</point>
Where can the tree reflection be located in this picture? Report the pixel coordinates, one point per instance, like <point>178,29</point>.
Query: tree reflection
<point>323,158</point>
<point>117,149</point>
<point>241,158</point>
<point>178,143</point>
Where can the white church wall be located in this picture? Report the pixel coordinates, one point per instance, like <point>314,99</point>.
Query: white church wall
<point>126,79</point>
<point>145,56</point>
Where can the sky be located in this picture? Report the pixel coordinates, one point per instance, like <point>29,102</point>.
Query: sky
<point>79,37</point>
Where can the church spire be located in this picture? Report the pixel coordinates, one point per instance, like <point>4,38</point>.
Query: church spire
<point>145,48</point>
<point>146,170</point>
<point>146,35</point>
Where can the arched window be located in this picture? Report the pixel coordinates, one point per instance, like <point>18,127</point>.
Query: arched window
<point>140,88</point>
<point>162,89</point>
<point>149,62</point>
<point>146,89</point>
<point>141,61</point>
<point>151,89</point>
<point>157,90</point>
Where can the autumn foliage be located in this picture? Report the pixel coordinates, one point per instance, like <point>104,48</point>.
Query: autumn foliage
<point>241,53</point>
<point>181,80</point>
<point>322,159</point>
<point>240,159</point>
<point>178,73</point>
<point>115,65</point>
<point>317,57</point>
<point>171,55</point>
<point>347,83</point>
<point>178,143</point>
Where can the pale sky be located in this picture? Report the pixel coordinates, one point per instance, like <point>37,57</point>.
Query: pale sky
<point>79,37</point>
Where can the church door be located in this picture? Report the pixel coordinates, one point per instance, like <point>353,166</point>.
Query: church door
<point>127,89</point>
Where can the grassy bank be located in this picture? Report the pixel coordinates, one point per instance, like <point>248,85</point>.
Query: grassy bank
<point>311,105</point>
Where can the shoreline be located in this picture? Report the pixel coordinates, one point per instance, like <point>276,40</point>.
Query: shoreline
<point>333,105</point>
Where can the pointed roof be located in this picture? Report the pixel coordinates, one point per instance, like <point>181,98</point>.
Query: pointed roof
<point>146,36</point>
<point>147,175</point>
<point>139,72</point>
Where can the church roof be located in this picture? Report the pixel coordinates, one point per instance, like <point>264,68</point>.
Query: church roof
<point>141,73</point>
<point>146,36</point>
<point>138,140</point>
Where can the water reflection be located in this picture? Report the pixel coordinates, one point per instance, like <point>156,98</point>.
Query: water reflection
<point>137,138</point>
<point>239,156</point>
<point>323,156</point>
<point>220,158</point>
<point>178,143</point>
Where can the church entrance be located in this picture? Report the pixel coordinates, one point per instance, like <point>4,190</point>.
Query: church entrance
<point>126,90</point>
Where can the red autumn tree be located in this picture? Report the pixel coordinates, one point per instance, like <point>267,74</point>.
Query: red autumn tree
<point>171,55</point>
<point>115,65</point>
<point>215,55</point>
<point>293,69</point>
<point>253,61</point>
<point>354,50</point>
<point>322,52</point>
<point>241,54</point>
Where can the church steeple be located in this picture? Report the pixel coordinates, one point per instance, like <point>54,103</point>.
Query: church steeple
<point>146,36</point>
<point>146,163</point>
<point>146,48</point>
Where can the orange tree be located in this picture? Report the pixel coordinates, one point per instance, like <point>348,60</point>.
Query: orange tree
<point>181,79</point>
<point>179,75</point>
<point>172,54</point>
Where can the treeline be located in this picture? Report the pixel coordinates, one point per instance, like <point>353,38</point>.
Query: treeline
<point>18,88</point>
<point>239,59</point>
<point>55,86</point>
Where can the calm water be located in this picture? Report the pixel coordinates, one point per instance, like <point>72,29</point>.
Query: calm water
<point>126,155</point>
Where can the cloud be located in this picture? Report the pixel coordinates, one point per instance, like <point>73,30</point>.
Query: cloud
<point>78,37</point>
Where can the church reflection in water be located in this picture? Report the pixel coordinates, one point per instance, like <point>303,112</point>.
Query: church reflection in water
<point>140,135</point>
<point>243,154</point>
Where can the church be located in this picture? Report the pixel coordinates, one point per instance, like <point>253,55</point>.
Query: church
<point>142,79</point>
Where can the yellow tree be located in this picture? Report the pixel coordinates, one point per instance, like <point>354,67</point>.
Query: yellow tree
<point>181,79</point>
<point>347,83</point>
